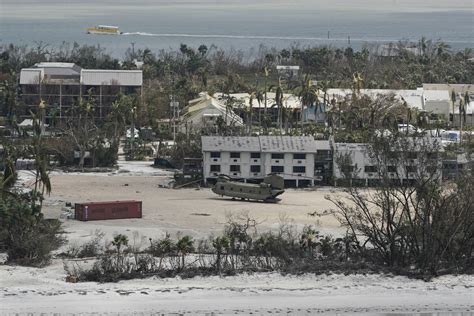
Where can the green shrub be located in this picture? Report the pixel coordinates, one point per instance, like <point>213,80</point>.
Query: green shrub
<point>28,237</point>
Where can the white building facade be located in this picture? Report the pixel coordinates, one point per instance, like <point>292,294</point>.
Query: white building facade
<point>416,158</point>
<point>252,158</point>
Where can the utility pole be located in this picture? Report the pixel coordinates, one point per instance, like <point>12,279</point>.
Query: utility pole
<point>133,49</point>
<point>174,106</point>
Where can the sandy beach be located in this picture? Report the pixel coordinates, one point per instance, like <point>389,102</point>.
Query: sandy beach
<point>30,291</point>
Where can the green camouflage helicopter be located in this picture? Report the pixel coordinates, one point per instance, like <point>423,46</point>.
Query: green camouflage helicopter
<point>267,191</point>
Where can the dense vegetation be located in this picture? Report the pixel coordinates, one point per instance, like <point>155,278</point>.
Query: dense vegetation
<point>25,234</point>
<point>188,71</point>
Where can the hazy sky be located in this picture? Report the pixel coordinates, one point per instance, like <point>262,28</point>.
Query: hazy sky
<point>347,4</point>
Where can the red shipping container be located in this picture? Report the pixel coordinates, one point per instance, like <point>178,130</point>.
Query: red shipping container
<point>94,211</point>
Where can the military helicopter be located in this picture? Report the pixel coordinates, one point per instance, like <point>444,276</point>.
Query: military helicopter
<point>267,191</point>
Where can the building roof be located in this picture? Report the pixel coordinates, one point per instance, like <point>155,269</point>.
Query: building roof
<point>437,95</point>
<point>232,143</point>
<point>73,74</point>
<point>458,87</point>
<point>54,65</point>
<point>287,144</point>
<point>60,68</point>
<point>31,75</point>
<point>403,144</point>
<point>203,102</point>
<point>96,77</point>
<point>207,106</point>
<point>413,98</point>
<point>270,144</point>
<point>289,100</point>
<point>322,145</point>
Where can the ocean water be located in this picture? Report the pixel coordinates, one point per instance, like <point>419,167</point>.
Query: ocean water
<point>238,24</point>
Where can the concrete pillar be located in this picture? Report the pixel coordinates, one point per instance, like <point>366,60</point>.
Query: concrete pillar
<point>297,183</point>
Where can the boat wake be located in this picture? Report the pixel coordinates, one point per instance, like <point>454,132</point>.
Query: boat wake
<point>259,37</point>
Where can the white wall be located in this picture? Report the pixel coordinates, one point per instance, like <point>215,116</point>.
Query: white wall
<point>360,158</point>
<point>265,163</point>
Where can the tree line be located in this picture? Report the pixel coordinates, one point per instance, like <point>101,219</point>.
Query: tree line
<point>187,71</point>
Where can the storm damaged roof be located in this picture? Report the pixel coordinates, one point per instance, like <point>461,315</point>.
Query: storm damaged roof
<point>287,144</point>
<point>271,144</point>
<point>230,143</point>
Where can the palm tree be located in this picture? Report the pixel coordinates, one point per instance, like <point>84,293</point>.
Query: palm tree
<point>249,111</point>
<point>308,95</point>
<point>442,48</point>
<point>38,151</point>
<point>462,111</point>
<point>184,246</point>
<point>357,82</point>
<point>118,114</point>
<point>119,241</point>
<point>324,86</point>
<point>266,88</point>
<point>453,101</point>
<point>279,103</point>
<point>467,101</point>
<point>9,172</point>
<point>260,97</point>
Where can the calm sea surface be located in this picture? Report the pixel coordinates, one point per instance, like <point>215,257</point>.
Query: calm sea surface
<point>239,24</point>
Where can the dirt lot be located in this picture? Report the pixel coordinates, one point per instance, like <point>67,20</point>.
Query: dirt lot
<point>198,212</point>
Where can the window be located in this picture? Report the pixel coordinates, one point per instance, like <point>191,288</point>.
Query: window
<point>215,168</point>
<point>278,156</point>
<point>299,169</point>
<point>255,155</point>
<point>391,168</point>
<point>234,168</point>
<point>370,168</point>
<point>433,169</point>
<point>411,155</point>
<point>278,169</point>
<point>215,154</point>
<point>234,155</point>
<point>347,168</point>
<point>299,156</point>
<point>411,169</point>
<point>254,168</point>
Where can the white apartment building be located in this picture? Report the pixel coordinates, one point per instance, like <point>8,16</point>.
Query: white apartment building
<point>302,161</point>
<point>252,158</point>
<point>365,170</point>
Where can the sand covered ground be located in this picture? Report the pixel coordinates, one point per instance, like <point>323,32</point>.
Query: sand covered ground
<point>30,291</point>
<point>198,212</point>
<point>33,291</point>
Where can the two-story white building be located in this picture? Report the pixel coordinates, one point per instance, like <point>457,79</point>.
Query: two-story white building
<point>252,158</point>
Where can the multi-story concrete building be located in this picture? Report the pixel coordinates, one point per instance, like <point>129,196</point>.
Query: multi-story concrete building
<point>61,85</point>
<point>415,158</point>
<point>303,161</point>
<point>252,158</point>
